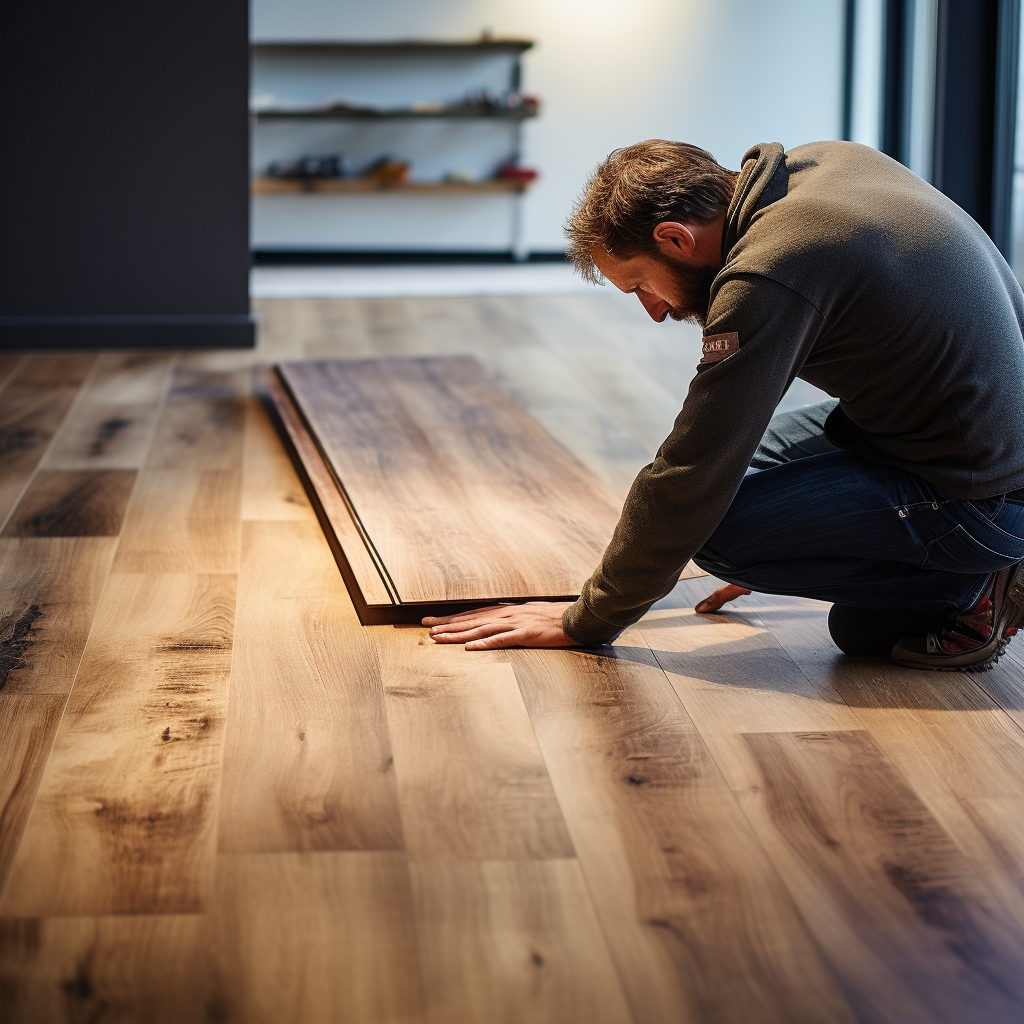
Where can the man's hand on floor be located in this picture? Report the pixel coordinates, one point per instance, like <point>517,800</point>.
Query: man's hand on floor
<point>723,595</point>
<point>534,624</point>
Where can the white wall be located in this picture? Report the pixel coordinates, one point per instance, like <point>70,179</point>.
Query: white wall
<point>722,74</point>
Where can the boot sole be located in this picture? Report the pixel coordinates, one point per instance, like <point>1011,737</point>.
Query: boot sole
<point>982,658</point>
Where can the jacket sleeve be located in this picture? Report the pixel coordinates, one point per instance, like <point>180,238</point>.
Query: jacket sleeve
<point>677,501</point>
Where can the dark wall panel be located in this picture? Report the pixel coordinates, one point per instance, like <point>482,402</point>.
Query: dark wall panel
<point>124,174</point>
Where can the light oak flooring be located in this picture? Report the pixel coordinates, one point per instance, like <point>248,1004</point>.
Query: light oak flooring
<point>222,799</point>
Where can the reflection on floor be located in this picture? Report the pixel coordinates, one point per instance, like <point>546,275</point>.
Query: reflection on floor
<point>223,799</point>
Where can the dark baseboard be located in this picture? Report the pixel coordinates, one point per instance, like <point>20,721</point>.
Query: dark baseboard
<point>226,330</point>
<point>313,257</point>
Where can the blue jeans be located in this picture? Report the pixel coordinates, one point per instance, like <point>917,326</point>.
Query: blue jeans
<point>813,520</point>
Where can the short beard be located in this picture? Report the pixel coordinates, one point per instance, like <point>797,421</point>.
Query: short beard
<point>693,291</point>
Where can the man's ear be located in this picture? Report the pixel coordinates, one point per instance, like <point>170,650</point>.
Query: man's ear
<point>674,240</point>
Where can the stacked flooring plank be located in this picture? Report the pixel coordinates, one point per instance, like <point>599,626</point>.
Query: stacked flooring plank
<point>436,490</point>
<point>223,798</point>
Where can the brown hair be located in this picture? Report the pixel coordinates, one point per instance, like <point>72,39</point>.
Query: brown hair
<point>636,189</point>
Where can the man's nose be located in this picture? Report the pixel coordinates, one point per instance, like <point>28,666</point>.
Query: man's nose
<point>657,309</point>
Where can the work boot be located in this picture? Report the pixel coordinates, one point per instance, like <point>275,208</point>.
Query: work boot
<point>973,640</point>
<point>872,632</point>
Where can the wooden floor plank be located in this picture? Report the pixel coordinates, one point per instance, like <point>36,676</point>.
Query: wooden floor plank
<point>635,397</point>
<point>112,422</point>
<point>125,817</point>
<point>358,563</point>
<point>471,781</point>
<point>72,503</point>
<point>316,938</point>
<point>961,754</point>
<point>502,510</point>
<point>733,677</point>
<point>311,329</point>
<point>28,723</point>
<point>270,487</point>
<point>124,969</point>
<point>55,369</point>
<point>49,589</point>
<point>900,915</point>
<point>503,942</point>
<point>700,925</point>
<point>29,417</point>
<point>543,385</point>
<point>9,363</point>
<point>201,426</point>
<point>307,761</point>
<point>182,520</point>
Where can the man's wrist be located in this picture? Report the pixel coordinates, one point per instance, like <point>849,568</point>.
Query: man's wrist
<point>585,628</point>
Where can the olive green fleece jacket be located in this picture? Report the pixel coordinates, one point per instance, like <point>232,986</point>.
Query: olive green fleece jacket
<point>843,268</point>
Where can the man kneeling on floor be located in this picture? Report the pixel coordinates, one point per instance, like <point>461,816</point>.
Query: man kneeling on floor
<point>902,501</point>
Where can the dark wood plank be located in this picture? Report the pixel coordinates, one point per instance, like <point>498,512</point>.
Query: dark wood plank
<point>72,503</point>
<point>126,813</point>
<point>29,417</point>
<point>86,969</point>
<point>49,589</point>
<point>307,762</point>
<point>900,915</point>
<point>28,723</point>
<point>463,495</point>
<point>700,924</point>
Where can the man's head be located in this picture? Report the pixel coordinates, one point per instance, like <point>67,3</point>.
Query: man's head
<point>650,221</point>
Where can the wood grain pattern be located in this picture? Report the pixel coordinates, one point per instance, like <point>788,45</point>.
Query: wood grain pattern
<point>308,761</point>
<point>504,942</point>
<point>112,421</point>
<point>464,497</point>
<point>891,899</point>
<point>118,969</point>
<point>182,520</point>
<point>270,487</point>
<point>49,589</point>
<point>700,925</point>
<point>9,363</point>
<point>29,417</point>
<point>961,754</point>
<point>125,818</point>
<point>28,723</point>
<point>356,560</point>
<point>316,937</point>
<point>72,503</point>
<point>471,780</point>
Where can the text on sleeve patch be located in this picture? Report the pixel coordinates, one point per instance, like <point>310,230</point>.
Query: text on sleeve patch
<point>720,346</point>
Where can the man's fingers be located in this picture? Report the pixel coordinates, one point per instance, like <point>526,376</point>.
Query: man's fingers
<point>722,596</point>
<point>508,638</point>
<point>461,636</point>
<point>478,614</point>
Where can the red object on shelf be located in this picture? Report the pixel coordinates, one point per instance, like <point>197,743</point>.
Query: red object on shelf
<point>516,173</point>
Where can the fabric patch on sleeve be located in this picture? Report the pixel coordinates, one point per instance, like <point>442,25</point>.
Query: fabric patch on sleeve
<point>720,346</point>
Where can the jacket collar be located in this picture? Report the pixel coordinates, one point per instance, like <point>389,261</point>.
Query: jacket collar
<point>759,164</point>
